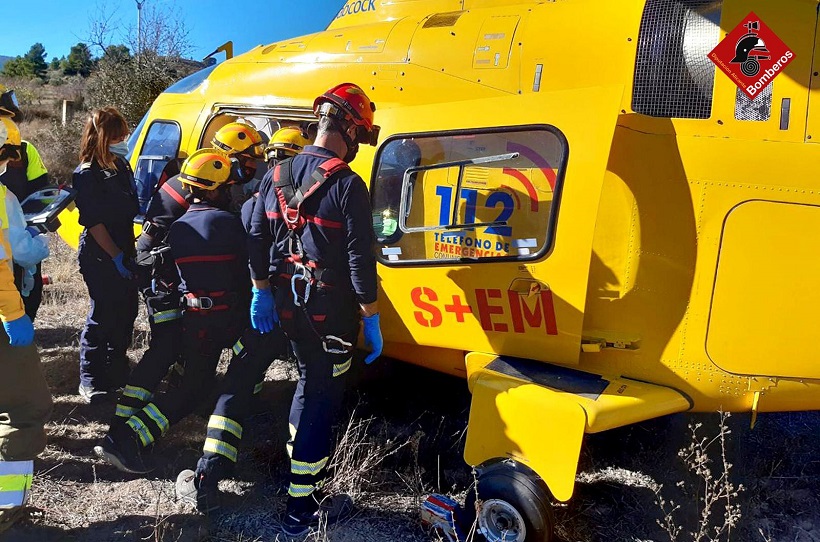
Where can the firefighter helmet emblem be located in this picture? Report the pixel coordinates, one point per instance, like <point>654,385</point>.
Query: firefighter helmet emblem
<point>750,49</point>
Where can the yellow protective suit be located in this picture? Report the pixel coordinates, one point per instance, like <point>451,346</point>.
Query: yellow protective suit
<point>25,400</point>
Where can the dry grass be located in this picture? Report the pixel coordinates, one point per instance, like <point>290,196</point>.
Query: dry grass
<point>59,146</point>
<point>401,438</point>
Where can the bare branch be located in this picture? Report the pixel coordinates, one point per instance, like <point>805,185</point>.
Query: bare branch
<point>103,25</point>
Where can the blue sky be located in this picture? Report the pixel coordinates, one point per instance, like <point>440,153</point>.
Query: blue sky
<point>59,24</point>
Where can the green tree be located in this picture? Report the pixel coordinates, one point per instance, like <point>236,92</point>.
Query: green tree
<point>132,85</point>
<point>19,67</point>
<point>54,64</point>
<point>79,61</point>
<point>117,54</point>
<point>36,56</point>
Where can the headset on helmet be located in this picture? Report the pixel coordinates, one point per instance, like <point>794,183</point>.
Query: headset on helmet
<point>10,144</point>
<point>239,138</point>
<point>9,106</point>
<point>206,169</point>
<point>286,142</point>
<point>348,102</point>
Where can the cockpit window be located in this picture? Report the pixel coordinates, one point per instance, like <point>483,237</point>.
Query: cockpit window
<point>187,84</point>
<point>481,195</point>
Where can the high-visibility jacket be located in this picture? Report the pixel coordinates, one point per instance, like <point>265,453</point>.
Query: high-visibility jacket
<point>26,176</point>
<point>11,305</point>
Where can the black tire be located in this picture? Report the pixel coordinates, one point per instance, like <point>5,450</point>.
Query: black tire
<point>506,482</point>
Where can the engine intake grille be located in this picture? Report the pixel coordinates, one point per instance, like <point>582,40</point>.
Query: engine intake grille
<point>674,77</point>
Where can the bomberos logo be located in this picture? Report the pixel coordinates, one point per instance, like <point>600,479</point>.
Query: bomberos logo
<point>752,55</point>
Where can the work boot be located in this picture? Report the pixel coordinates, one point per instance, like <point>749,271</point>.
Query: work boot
<point>92,395</point>
<point>121,447</point>
<point>195,490</point>
<point>326,510</point>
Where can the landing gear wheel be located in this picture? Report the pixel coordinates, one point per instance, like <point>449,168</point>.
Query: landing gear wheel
<point>514,506</point>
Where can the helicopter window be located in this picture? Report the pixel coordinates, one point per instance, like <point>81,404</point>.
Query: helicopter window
<point>160,146</point>
<point>759,109</point>
<point>674,77</point>
<point>479,195</point>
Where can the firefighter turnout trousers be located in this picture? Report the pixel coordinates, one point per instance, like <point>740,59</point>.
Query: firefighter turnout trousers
<point>205,333</point>
<point>252,355</point>
<point>25,405</point>
<point>164,349</point>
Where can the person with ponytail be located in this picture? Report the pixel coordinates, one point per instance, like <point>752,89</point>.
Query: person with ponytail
<point>107,204</point>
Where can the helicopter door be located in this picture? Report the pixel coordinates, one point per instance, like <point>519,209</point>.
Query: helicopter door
<point>484,213</point>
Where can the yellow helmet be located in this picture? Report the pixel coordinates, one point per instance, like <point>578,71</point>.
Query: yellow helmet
<point>238,138</point>
<point>10,145</point>
<point>286,142</point>
<point>207,169</point>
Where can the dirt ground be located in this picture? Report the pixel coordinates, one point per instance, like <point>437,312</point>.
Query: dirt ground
<point>404,441</point>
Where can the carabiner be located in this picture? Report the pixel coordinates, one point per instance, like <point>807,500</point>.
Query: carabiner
<point>304,277</point>
<point>346,346</point>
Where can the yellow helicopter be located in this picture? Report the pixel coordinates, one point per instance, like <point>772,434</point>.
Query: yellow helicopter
<point>575,210</point>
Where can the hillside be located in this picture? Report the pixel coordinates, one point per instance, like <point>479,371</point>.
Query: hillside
<point>3,60</point>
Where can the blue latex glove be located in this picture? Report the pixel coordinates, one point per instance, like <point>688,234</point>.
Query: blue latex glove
<point>263,315</point>
<point>373,337</point>
<point>121,269</point>
<point>34,232</point>
<point>20,331</point>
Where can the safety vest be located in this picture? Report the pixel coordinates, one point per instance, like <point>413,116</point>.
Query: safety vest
<point>19,173</point>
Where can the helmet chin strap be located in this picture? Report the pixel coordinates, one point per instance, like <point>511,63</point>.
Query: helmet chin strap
<point>352,144</point>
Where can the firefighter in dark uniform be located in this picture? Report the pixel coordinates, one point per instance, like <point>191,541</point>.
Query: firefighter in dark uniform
<point>253,354</point>
<point>24,177</point>
<point>208,246</point>
<point>159,280</point>
<point>107,203</point>
<point>316,215</point>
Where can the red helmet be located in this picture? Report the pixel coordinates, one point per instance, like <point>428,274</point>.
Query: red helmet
<point>348,102</point>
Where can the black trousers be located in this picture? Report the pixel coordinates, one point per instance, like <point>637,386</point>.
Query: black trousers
<point>109,325</point>
<point>164,350</point>
<point>204,335</point>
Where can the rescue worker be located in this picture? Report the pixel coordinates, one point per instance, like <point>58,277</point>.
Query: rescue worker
<point>25,400</point>
<point>284,143</point>
<point>107,204</point>
<point>27,244</point>
<point>159,281</point>
<point>208,246</point>
<point>24,177</point>
<point>253,354</point>
<point>313,225</point>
